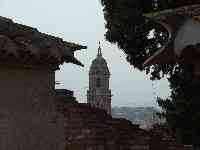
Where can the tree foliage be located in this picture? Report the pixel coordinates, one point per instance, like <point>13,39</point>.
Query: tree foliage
<point>135,34</point>
<point>182,108</point>
<point>139,37</point>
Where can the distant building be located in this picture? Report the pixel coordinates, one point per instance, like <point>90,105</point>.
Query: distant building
<point>99,94</point>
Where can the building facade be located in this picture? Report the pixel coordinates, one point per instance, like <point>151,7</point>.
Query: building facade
<point>29,119</point>
<point>99,94</point>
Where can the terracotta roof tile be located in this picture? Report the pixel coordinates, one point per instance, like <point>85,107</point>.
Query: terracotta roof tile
<point>20,40</point>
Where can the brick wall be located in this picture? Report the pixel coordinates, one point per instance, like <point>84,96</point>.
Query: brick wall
<point>88,128</point>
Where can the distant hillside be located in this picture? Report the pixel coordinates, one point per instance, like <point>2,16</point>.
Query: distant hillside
<point>144,116</point>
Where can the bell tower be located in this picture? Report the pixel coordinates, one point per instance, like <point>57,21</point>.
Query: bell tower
<point>99,94</point>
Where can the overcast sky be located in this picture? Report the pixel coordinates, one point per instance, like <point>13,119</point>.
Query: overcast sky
<point>82,21</point>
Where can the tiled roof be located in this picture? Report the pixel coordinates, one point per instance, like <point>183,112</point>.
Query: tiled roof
<point>190,10</point>
<point>173,21</point>
<point>183,45</point>
<point>27,44</point>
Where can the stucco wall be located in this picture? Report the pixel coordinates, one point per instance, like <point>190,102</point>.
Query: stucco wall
<point>28,118</point>
<point>187,35</point>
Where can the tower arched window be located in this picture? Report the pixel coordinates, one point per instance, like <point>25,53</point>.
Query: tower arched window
<point>98,82</point>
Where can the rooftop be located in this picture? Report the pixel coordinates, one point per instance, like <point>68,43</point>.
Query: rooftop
<point>190,10</point>
<point>27,45</point>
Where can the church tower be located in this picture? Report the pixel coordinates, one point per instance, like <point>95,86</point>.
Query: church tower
<point>99,94</point>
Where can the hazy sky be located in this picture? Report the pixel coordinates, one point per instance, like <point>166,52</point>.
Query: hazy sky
<point>82,21</point>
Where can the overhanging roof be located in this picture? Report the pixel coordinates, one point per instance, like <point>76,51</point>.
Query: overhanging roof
<point>28,44</point>
<point>190,10</point>
<point>173,21</point>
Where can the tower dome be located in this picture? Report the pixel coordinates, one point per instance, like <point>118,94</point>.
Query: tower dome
<point>99,94</point>
<point>99,64</point>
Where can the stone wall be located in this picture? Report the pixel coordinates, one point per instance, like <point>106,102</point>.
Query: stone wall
<point>28,117</point>
<point>88,128</point>
<point>162,138</point>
